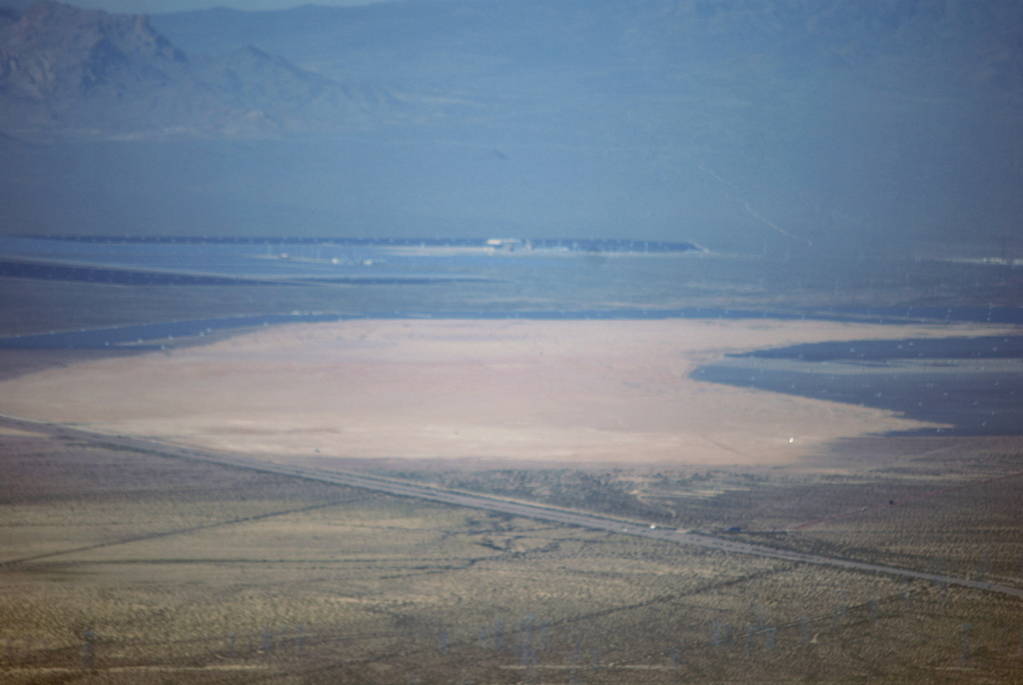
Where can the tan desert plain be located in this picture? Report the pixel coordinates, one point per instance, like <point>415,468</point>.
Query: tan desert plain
<point>133,561</point>
<point>584,392</point>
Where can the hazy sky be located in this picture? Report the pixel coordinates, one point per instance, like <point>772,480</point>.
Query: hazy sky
<point>154,6</point>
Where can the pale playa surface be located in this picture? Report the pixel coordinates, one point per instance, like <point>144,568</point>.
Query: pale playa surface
<point>18,433</point>
<point>567,391</point>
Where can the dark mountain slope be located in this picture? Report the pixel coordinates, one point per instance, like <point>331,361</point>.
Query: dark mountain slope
<point>58,52</point>
<point>68,72</point>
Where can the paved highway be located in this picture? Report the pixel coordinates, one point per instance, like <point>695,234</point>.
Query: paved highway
<point>403,488</point>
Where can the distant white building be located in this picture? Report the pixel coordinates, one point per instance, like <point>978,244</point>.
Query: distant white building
<point>508,244</point>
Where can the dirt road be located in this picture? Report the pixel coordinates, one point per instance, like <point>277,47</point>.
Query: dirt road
<point>402,488</point>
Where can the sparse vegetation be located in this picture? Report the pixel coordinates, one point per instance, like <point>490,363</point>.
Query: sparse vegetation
<point>128,567</point>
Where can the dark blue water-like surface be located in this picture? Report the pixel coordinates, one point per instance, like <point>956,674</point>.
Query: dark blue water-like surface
<point>304,258</point>
<point>972,385</point>
<point>56,271</point>
<point>570,244</point>
<point>980,347</point>
<point>259,260</point>
<point>1009,315</point>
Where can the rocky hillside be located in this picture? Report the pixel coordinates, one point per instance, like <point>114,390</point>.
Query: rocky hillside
<point>68,72</point>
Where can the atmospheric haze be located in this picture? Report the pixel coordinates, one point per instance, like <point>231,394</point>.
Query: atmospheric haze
<point>776,125</point>
<point>512,341</point>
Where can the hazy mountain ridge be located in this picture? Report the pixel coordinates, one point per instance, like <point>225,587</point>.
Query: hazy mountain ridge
<point>528,67</point>
<point>68,72</point>
<point>980,39</point>
<point>755,125</point>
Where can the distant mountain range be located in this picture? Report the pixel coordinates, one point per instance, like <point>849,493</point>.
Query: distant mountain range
<point>531,65</point>
<point>861,125</point>
<point>447,42</point>
<point>73,73</point>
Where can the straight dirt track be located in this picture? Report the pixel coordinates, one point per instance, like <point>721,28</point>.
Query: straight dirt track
<point>564,516</point>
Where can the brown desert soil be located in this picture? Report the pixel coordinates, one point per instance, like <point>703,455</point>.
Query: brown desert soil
<point>521,391</point>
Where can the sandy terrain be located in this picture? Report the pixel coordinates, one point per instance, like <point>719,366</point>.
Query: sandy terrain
<point>6,431</point>
<point>569,391</point>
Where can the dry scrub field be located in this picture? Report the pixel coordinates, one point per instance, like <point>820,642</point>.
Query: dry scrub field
<point>129,567</point>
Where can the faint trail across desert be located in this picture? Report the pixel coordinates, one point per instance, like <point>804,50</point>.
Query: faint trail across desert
<point>560,515</point>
